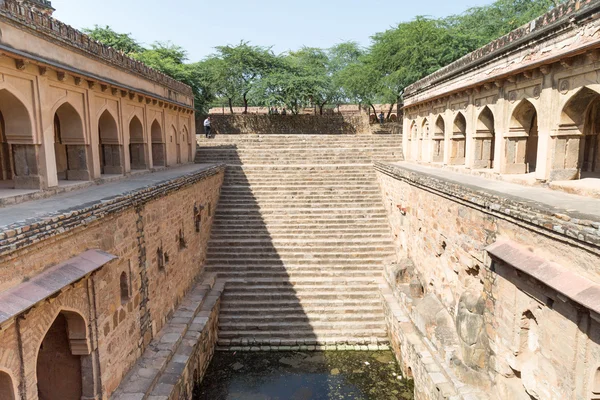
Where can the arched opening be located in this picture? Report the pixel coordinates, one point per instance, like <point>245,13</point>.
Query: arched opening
<point>110,148</point>
<point>7,390</point>
<point>137,151</point>
<point>596,384</point>
<point>576,145</point>
<point>124,286</point>
<point>522,140</point>
<point>484,140</point>
<point>70,149</point>
<point>177,143</point>
<point>187,144</point>
<point>18,161</point>
<point>63,361</point>
<point>412,134</point>
<point>438,140</point>
<point>423,136</point>
<point>158,145</point>
<point>458,140</point>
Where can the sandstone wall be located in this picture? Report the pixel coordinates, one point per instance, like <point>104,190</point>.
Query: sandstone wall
<point>290,124</point>
<point>119,326</point>
<point>489,325</point>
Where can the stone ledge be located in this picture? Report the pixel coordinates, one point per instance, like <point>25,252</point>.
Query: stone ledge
<point>46,26</point>
<point>25,233</point>
<point>568,224</point>
<point>22,297</point>
<point>565,282</point>
<point>564,15</point>
<point>163,371</point>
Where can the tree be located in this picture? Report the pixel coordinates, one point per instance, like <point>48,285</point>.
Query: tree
<point>118,41</point>
<point>361,82</point>
<point>239,68</point>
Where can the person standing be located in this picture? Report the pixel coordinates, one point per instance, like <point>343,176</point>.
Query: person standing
<point>381,118</point>
<point>207,127</point>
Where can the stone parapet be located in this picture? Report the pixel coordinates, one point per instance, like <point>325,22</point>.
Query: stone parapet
<point>562,17</point>
<point>25,233</point>
<point>54,30</point>
<point>577,228</point>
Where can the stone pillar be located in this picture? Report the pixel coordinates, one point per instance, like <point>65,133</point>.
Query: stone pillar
<point>112,158</point>
<point>26,166</point>
<point>78,166</point>
<point>548,114</point>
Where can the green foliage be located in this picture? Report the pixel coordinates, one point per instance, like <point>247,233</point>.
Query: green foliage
<point>118,41</point>
<point>245,74</point>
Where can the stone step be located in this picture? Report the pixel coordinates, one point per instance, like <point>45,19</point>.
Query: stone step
<point>291,269</point>
<point>317,325</point>
<point>307,335</point>
<point>232,316</point>
<point>281,211</point>
<point>297,256</point>
<point>308,295</point>
<point>236,273</point>
<point>229,310</point>
<point>300,282</point>
<point>376,261</point>
<point>383,235</point>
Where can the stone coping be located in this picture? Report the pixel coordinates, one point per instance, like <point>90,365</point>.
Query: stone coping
<point>28,223</point>
<point>550,212</point>
<point>564,15</point>
<point>45,25</point>
<point>22,297</point>
<point>559,278</point>
<point>164,361</point>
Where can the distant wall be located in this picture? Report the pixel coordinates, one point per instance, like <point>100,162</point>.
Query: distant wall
<point>290,124</point>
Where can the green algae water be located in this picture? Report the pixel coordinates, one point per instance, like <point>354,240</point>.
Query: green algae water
<point>336,375</point>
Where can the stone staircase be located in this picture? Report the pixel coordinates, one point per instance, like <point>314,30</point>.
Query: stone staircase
<point>301,236</point>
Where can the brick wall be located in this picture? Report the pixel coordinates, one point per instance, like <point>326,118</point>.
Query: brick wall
<point>289,124</point>
<point>132,227</point>
<point>487,323</point>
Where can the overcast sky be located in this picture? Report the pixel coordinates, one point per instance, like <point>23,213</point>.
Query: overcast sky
<point>200,25</point>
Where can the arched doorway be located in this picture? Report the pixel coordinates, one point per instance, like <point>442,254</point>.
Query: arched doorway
<point>110,148</point>
<point>522,140</point>
<point>412,134</point>
<point>423,136</point>
<point>137,151</point>
<point>7,390</point>
<point>158,145</point>
<point>18,161</point>
<point>63,361</point>
<point>458,140</point>
<point>187,144</point>
<point>69,145</point>
<point>484,139</point>
<point>576,145</point>
<point>177,143</point>
<point>438,140</point>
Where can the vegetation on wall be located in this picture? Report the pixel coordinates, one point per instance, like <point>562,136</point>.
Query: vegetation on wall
<point>244,74</point>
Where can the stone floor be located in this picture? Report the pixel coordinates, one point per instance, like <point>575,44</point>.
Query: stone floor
<point>93,193</point>
<point>553,199</point>
<point>356,375</point>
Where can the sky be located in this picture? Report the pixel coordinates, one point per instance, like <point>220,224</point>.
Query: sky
<point>200,25</point>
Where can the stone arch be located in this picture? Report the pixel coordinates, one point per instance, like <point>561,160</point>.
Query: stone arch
<point>412,134</point>
<point>110,147</point>
<point>424,134</point>
<point>70,149</point>
<point>124,287</point>
<point>522,139</point>
<point>439,133</point>
<point>187,143</point>
<point>158,145</point>
<point>484,140</point>
<point>63,361</point>
<point>18,154</point>
<point>458,140</point>
<point>577,142</point>
<point>595,384</point>
<point>137,151</point>
<point>7,386</point>
<point>177,143</point>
